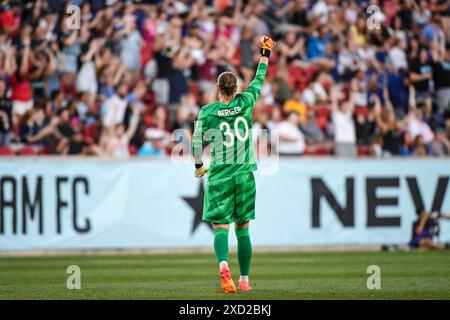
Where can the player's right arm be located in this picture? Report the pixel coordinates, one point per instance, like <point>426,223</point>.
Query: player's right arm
<point>254,89</point>
<point>197,143</point>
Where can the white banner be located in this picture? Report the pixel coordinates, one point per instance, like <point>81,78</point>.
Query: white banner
<point>89,203</point>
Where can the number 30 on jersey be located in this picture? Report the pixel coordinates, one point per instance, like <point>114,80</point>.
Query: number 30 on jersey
<point>229,134</point>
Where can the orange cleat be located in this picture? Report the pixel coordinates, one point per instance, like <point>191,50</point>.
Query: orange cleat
<point>228,285</point>
<point>244,286</point>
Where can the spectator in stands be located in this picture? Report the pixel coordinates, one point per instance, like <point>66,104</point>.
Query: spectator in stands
<point>114,107</point>
<point>115,140</point>
<point>417,126</point>
<point>20,81</point>
<point>317,48</point>
<point>366,126</point>
<point>440,146</point>
<point>36,130</point>
<point>420,148</point>
<point>420,75</point>
<point>342,106</point>
<point>441,72</point>
<point>397,55</point>
<point>314,136</point>
<point>408,144</point>
<point>154,145</point>
<point>295,104</point>
<point>5,115</point>
<point>422,14</point>
<point>391,131</point>
<point>292,48</point>
<point>291,138</point>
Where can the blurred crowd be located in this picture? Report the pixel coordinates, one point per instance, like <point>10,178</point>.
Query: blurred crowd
<point>122,78</point>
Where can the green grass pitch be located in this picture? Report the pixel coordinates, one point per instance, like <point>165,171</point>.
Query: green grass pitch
<point>284,275</point>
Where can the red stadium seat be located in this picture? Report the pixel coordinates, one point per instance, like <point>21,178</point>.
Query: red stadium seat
<point>28,151</point>
<point>323,111</point>
<point>90,131</point>
<point>295,72</point>
<point>362,110</point>
<point>321,152</point>
<point>363,151</point>
<point>44,151</point>
<point>6,151</point>
<point>132,150</point>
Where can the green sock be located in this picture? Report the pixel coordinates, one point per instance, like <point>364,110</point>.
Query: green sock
<point>221,244</point>
<point>244,250</point>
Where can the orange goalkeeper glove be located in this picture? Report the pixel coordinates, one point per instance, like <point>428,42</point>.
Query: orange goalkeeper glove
<point>267,45</point>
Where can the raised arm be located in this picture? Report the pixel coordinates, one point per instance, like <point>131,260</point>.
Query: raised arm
<point>384,127</point>
<point>334,95</point>
<point>251,94</point>
<point>254,89</point>
<point>10,61</point>
<point>25,56</point>
<point>133,123</point>
<point>438,47</point>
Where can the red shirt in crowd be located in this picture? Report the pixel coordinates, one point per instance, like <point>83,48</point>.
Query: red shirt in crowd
<point>21,89</point>
<point>7,20</point>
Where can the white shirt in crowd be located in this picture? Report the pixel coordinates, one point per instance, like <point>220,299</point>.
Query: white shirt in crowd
<point>320,9</point>
<point>319,91</point>
<point>118,147</point>
<point>131,50</point>
<point>290,131</point>
<point>344,127</point>
<point>417,127</point>
<point>87,78</point>
<point>113,110</point>
<point>398,58</point>
<point>308,96</point>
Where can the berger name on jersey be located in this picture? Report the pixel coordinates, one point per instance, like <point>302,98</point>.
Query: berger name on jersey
<point>229,112</point>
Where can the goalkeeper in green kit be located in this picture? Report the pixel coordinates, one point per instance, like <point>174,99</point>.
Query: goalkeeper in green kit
<point>230,190</point>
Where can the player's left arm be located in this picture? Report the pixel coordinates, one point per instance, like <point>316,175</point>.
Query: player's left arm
<point>197,144</point>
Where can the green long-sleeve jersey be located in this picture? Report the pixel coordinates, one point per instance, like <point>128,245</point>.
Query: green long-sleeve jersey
<point>228,128</point>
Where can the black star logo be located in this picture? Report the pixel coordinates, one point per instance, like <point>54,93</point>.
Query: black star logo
<point>196,203</point>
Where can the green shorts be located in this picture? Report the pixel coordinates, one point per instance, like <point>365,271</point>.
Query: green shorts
<point>230,199</point>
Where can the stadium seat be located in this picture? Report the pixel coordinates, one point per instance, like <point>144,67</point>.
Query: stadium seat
<point>91,131</point>
<point>295,71</point>
<point>28,151</point>
<point>362,110</point>
<point>363,151</point>
<point>323,111</point>
<point>132,150</point>
<point>321,152</point>
<point>44,151</point>
<point>6,151</point>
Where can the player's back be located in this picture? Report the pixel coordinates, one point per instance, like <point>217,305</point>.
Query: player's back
<point>229,130</point>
